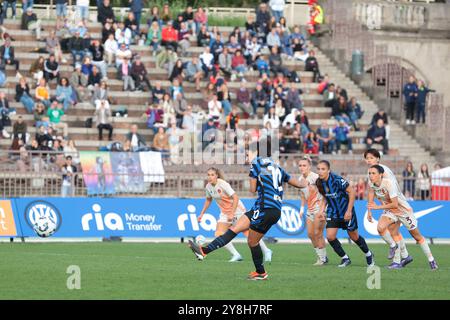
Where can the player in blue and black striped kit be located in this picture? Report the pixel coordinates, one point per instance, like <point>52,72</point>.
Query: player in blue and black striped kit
<point>340,212</point>
<point>266,178</point>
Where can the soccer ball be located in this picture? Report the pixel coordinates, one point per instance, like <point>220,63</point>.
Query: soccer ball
<point>44,227</point>
<point>200,239</point>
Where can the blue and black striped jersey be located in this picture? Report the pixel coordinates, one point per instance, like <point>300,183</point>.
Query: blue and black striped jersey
<point>270,178</point>
<point>336,195</point>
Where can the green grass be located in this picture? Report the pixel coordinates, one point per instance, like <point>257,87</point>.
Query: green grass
<point>226,21</point>
<point>170,271</point>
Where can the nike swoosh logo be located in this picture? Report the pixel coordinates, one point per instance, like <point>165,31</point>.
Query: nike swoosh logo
<point>371,227</point>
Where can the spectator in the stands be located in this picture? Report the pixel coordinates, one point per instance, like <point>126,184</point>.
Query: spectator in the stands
<point>136,7</point>
<point>341,132</point>
<point>276,63</point>
<point>409,179</point>
<point>277,8</point>
<point>215,108</point>
<point>183,38</point>
<point>140,75</point>
<point>310,143</point>
<point>76,47</point>
<point>263,18</point>
<point>161,143</point>
<point>200,18</point>
<point>262,66</point>
<point>97,51</point>
<point>273,39</point>
<point>424,182</point>
<point>31,22</point>
<point>243,99</point>
<point>111,47</point>
<point>422,92</point>
<point>377,134</point>
<point>68,171</point>
<point>4,10</point>
<point>154,115</point>
<point>53,46</point>
<point>303,120</point>
<point>180,105</point>
<point>23,95</point>
<point>203,37</point>
<point>158,92</point>
<point>123,34</point>
<point>177,71</point>
<point>272,117</point>
<point>312,65</point>
<point>55,114</point>
<point>194,72</point>
<point>78,81</point>
<point>132,24</point>
<point>293,99</point>
<point>40,116</point>
<point>225,62</point>
<point>232,120</point>
<point>154,37</point>
<point>169,36</point>
<point>103,121</point>
<point>355,109</point>
<point>51,69</point>
<point>223,95</point>
<point>326,138</point>
<point>410,95</point>
<point>42,93</point>
<point>83,10</point>
<point>64,93</point>
<point>238,64</point>
<point>259,99</point>
<point>124,72</point>
<point>37,68</point>
<point>101,95</point>
<point>166,59</point>
<point>7,56</point>
<point>123,53</point>
<point>330,99</point>
<point>136,139</point>
<point>105,12</point>
<point>207,60</point>
<point>94,78</point>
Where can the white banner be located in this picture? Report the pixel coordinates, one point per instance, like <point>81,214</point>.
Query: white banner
<point>152,166</point>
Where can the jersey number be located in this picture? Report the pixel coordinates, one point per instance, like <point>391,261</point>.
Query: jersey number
<point>276,178</point>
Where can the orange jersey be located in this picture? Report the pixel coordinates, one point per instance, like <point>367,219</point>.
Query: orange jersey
<point>223,194</point>
<point>311,193</point>
<point>386,192</point>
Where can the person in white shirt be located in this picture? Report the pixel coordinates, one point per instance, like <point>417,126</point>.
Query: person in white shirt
<point>122,54</point>
<point>291,118</point>
<point>277,8</point>
<point>111,48</point>
<point>215,108</point>
<point>207,60</point>
<point>395,209</point>
<point>272,118</point>
<point>123,34</point>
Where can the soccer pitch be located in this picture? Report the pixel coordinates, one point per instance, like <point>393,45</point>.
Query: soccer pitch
<point>170,271</point>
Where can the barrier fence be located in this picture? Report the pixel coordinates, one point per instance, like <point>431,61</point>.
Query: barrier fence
<point>38,173</point>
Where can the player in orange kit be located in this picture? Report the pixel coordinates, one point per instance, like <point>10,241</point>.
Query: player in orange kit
<point>395,208</point>
<point>315,204</point>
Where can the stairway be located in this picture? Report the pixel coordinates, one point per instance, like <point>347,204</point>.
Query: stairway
<point>399,139</point>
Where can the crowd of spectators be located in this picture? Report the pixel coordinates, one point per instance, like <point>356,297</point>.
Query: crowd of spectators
<point>265,49</point>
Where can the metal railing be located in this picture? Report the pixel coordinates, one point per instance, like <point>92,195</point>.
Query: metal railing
<point>38,173</point>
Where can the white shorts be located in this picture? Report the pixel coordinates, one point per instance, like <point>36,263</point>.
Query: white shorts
<point>407,219</point>
<point>312,213</point>
<point>223,218</point>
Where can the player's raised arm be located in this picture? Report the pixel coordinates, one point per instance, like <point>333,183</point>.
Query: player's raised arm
<point>298,183</point>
